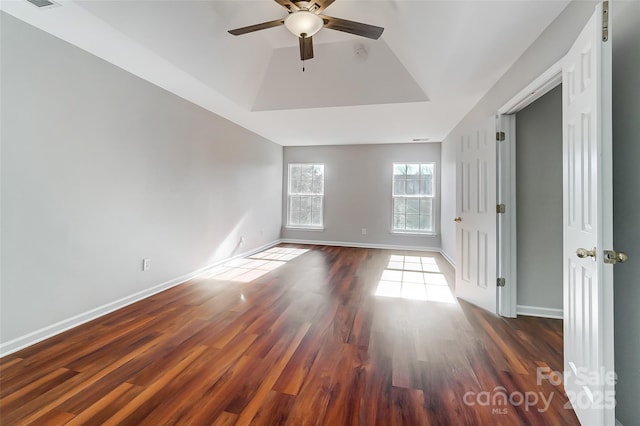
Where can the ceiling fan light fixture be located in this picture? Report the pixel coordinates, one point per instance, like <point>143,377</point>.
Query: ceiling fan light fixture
<point>303,22</point>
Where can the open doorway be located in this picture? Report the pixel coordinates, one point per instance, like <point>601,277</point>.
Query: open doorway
<point>538,146</point>
<point>531,128</point>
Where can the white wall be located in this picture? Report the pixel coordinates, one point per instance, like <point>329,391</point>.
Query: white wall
<point>539,202</point>
<point>550,47</point>
<point>626,204</point>
<point>358,180</point>
<point>101,169</point>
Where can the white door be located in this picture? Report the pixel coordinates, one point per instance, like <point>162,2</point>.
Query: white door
<point>588,226</point>
<point>476,216</point>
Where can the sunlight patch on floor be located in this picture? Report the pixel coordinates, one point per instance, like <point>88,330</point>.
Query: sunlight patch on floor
<point>415,278</point>
<point>250,268</point>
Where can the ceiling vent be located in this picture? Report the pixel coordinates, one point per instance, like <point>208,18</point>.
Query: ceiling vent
<point>43,3</point>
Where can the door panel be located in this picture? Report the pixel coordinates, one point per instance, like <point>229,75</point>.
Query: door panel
<point>476,232</point>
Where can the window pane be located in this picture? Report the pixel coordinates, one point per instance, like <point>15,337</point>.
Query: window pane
<point>305,203</point>
<point>413,187</point>
<point>316,218</point>
<point>426,169</point>
<point>317,187</point>
<point>399,169</point>
<point>294,218</point>
<point>425,222</point>
<point>399,187</point>
<point>305,185</point>
<point>295,203</point>
<point>316,204</point>
<point>305,217</point>
<point>425,205</point>
<point>294,172</point>
<point>426,187</point>
<point>413,222</point>
<point>294,186</point>
<point>413,169</point>
<point>413,206</point>
<point>399,205</point>
<point>398,221</point>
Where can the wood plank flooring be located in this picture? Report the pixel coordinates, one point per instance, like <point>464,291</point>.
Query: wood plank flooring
<point>295,336</point>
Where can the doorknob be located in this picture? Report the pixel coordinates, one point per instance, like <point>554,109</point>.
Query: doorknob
<point>583,253</point>
<point>458,219</point>
<point>613,257</point>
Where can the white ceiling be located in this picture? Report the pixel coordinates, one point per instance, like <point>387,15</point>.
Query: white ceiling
<point>434,61</point>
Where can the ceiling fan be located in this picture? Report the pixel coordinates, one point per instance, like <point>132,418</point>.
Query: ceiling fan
<point>305,19</point>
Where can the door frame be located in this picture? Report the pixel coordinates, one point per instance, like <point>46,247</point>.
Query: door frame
<point>506,185</point>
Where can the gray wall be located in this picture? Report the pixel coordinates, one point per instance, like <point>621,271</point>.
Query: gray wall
<point>358,192</point>
<point>626,200</point>
<point>101,169</point>
<point>539,201</point>
<point>549,48</point>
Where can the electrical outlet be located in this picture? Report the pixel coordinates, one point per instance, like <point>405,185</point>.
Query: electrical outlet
<point>146,264</point>
<point>364,231</point>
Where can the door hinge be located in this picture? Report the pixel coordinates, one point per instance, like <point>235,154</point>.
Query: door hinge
<point>501,208</point>
<point>605,21</point>
<point>501,282</point>
<point>500,136</point>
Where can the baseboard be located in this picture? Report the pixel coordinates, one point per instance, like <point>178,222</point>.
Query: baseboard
<point>448,258</point>
<point>536,311</point>
<point>44,333</point>
<point>359,245</point>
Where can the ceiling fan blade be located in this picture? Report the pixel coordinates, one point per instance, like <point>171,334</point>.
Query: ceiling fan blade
<point>288,4</point>
<point>257,27</point>
<point>357,28</point>
<point>317,6</point>
<point>306,48</point>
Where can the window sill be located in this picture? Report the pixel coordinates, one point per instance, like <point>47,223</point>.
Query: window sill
<point>417,233</point>
<point>303,228</point>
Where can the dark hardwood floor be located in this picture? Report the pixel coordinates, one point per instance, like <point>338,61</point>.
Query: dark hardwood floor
<point>296,336</point>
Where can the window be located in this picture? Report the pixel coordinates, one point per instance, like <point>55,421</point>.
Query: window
<point>413,192</point>
<point>305,196</point>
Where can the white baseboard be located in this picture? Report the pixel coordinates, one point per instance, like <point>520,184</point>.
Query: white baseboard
<point>359,245</point>
<point>536,311</point>
<point>44,333</point>
<point>448,258</point>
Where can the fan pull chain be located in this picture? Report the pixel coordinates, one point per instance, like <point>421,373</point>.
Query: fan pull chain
<point>303,65</point>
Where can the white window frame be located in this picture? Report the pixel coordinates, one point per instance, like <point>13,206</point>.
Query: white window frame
<point>432,197</point>
<point>291,194</point>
